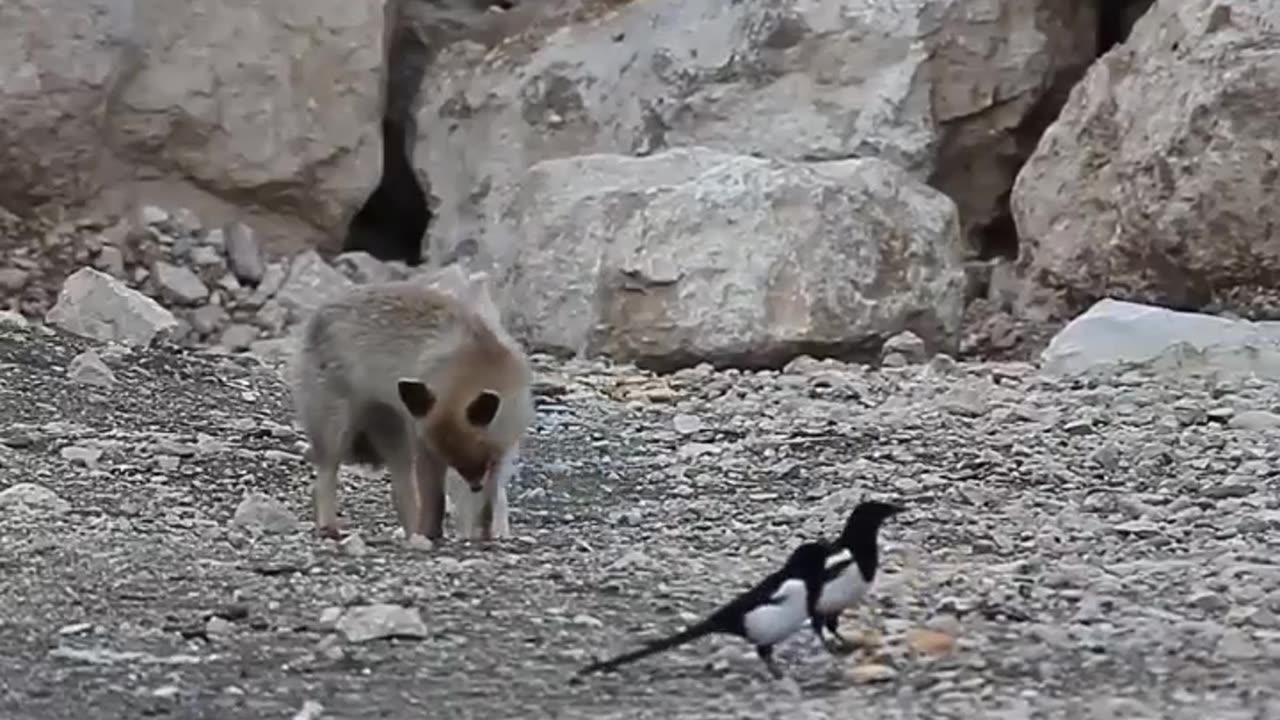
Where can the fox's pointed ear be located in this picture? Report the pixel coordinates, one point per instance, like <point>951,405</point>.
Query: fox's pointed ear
<point>416,396</point>
<point>484,408</point>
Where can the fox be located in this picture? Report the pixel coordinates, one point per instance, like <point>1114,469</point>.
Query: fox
<point>420,377</point>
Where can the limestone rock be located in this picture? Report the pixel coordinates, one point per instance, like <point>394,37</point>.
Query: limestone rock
<point>697,254</point>
<point>178,284</point>
<point>1257,420</point>
<point>1115,334</point>
<point>238,337</point>
<point>310,281</point>
<point>364,268</point>
<point>111,261</point>
<point>908,345</point>
<point>1157,183</point>
<point>14,320</point>
<point>94,304</point>
<point>12,279</point>
<point>59,59</point>
<point>277,103</point>
<point>380,620</point>
<point>88,368</point>
<point>264,513</point>
<point>273,278</point>
<point>936,86</point>
<point>244,254</point>
<point>208,319</point>
<point>33,498</point>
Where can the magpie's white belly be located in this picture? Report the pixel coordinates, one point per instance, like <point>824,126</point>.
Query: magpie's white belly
<point>769,624</point>
<point>845,590</point>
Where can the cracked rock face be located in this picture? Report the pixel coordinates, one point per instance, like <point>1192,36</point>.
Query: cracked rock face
<point>185,87</point>
<point>1157,183</point>
<point>938,87</point>
<point>1099,542</point>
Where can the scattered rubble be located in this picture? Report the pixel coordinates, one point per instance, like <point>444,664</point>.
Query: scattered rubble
<point>1065,537</point>
<point>171,277</point>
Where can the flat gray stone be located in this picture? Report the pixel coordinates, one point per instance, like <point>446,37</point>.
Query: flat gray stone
<point>88,368</point>
<point>244,254</point>
<point>179,284</point>
<point>310,282</point>
<point>96,305</point>
<point>34,498</point>
<point>264,513</point>
<point>381,620</point>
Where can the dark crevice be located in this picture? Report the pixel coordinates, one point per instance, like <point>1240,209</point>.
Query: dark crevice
<point>1115,20</point>
<point>393,220</point>
<point>1111,31</point>
<point>1000,236</point>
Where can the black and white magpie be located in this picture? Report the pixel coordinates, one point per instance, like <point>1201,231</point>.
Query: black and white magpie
<point>850,569</point>
<point>764,615</point>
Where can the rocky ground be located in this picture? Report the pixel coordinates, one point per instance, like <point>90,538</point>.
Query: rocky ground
<point>1100,549</point>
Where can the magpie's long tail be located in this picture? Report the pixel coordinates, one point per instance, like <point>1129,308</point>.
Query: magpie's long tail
<point>693,632</point>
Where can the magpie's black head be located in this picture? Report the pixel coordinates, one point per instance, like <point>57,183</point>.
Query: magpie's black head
<point>807,560</point>
<point>865,521</point>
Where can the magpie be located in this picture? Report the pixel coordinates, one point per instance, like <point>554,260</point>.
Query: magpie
<point>765,615</point>
<point>850,568</point>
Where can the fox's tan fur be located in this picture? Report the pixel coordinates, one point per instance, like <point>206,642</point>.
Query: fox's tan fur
<point>423,379</point>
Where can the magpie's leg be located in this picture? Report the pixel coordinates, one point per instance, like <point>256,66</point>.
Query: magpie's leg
<point>840,645</point>
<point>815,622</point>
<point>766,654</point>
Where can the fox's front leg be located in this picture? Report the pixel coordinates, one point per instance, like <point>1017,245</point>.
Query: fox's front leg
<point>493,519</point>
<point>429,472</point>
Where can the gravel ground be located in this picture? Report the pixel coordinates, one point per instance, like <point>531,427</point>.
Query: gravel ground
<point>1072,549</point>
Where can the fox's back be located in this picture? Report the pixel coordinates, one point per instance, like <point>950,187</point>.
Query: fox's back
<point>361,342</point>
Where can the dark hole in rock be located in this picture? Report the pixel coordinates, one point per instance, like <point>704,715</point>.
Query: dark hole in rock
<point>393,221</point>
<point>1000,236</point>
<point>1116,19</point>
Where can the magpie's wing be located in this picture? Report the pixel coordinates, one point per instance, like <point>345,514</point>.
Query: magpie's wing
<point>772,592</point>
<point>765,592</point>
<point>837,562</point>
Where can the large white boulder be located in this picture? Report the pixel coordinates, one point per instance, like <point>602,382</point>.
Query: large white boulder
<point>1115,335</point>
<point>694,254</point>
